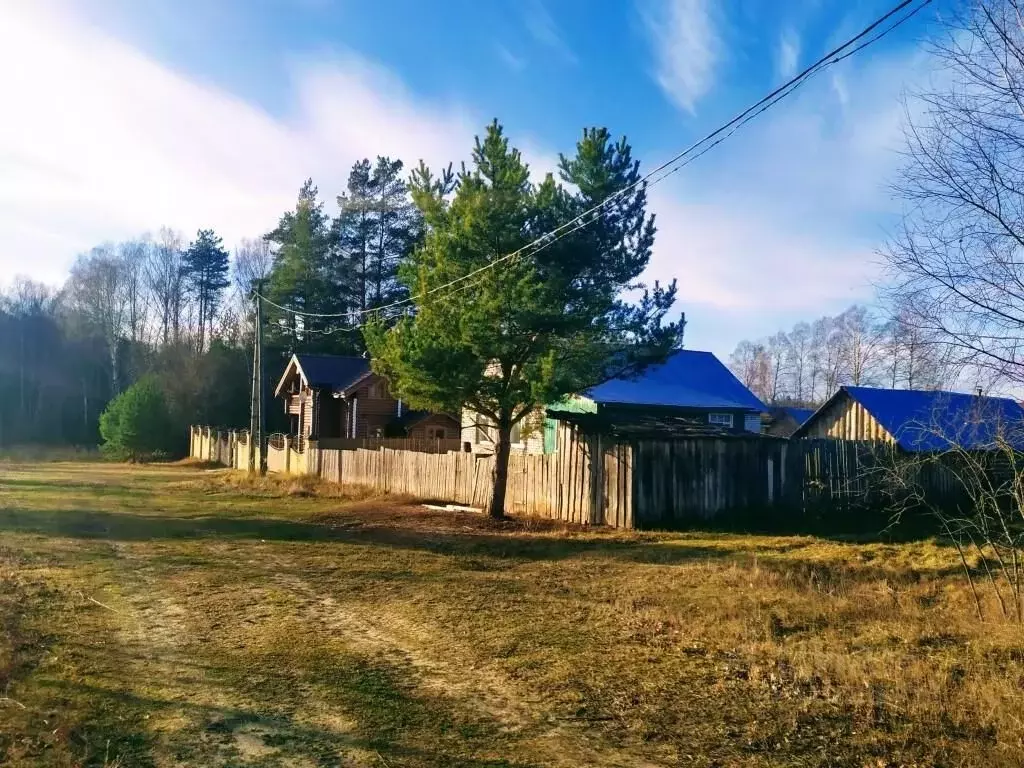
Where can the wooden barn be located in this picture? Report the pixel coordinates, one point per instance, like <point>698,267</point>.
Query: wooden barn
<point>916,420</point>
<point>334,396</point>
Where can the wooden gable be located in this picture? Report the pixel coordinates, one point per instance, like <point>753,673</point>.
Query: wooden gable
<point>292,380</point>
<point>843,418</point>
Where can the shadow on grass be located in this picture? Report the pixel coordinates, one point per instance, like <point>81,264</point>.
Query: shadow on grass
<point>386,714</point>
<point>397,529</point>
<point>102,525</point>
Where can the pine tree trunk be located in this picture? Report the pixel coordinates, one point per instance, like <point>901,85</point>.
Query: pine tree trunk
<point>500,475</point>
<point>202,319</point>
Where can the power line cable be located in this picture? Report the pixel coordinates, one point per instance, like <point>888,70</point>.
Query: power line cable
<point>672,165</point>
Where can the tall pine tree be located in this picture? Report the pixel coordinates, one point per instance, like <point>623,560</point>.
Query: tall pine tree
<point>205,267</point>
<point>305,277</point>
<point>376,229</point>
<point>353,231</point>
<point>396,227</point>
<point>530,330</point>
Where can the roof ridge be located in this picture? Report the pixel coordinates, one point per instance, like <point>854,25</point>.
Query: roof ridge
<point>855,387</point>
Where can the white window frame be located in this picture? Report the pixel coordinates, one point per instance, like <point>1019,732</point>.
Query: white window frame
<point>721,419</point>
<point>483,435</point>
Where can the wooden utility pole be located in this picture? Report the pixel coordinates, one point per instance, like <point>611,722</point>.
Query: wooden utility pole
<point>254,400</point>
<point>257,418</point>
<point>261,394</point>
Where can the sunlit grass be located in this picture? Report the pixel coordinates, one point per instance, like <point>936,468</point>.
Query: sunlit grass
<point>166,615</point>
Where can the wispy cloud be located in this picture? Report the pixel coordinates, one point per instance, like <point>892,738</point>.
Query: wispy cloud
<point>111,143</point>
<point>776,225</point>
<point>544,29</point>
<point>686,46</point>
<point>788,55</point>
<point>513,62</point>
<point>783,222</point>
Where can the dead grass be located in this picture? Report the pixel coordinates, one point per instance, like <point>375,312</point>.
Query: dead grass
<point>284,622</point>
<point>221,480</point>
<point>34,454</point>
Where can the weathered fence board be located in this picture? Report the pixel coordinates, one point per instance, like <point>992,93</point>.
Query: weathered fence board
<point>425,445</point>
<point>594,479</point>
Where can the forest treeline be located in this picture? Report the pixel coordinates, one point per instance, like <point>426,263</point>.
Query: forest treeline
<point>179,309</point>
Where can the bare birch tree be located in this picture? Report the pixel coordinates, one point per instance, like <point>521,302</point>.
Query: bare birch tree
<point>798,362</point>
<point>253,262</point>
<point>860,339</point>
<point>750,363</point>
<point>98,288</point>
<point>134,255</point>
<point>958,259</point>
<point>777,352</point>
<point>164,276</point>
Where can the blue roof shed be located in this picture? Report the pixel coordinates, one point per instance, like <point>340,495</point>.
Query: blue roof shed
<point>919,420</point>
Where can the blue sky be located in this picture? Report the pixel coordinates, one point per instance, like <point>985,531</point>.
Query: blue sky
<point>185,113</point>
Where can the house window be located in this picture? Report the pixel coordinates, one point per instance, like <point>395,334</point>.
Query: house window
<point>483,430</point>
<point>378,390</point>
<point>435,433</point>
<point>721,419</point>
<point>516,435</point>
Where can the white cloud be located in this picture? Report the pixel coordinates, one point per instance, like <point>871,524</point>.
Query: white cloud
<point>686,46</point>
<point>788,55</point>
<point>782,222</point>
<point>108,143</point>
<point>778,224</point>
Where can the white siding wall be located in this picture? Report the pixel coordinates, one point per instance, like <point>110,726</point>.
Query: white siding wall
<point>531,430</point>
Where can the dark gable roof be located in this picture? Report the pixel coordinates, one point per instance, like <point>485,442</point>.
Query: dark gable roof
<point>935,421</point>
<point>688,379</point>
<point>799,415</point>
<point>335,371</point>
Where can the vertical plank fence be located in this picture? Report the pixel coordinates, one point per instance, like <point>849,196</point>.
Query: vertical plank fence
<point>597,479</point>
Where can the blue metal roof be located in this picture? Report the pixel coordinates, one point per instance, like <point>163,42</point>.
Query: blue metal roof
<point>935,421</point>
<point>688,379</point>
<point>332,370</point>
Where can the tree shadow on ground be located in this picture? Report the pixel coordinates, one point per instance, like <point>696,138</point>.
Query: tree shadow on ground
<point>214,731</point>
<point>403,528</point>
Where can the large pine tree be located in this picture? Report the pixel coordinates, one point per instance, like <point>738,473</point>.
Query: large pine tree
<point>353,230</point>
<point>531,329</point>
<point>304,277</point>
<point>376,228</point>
<point>205,267</point>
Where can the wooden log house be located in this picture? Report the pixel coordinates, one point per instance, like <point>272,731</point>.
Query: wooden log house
<point>334,396</point>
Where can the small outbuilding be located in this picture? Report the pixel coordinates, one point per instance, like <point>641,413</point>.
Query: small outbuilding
<point>917,420</point>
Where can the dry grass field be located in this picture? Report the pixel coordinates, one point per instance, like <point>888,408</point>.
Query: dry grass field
<point>175,616</point>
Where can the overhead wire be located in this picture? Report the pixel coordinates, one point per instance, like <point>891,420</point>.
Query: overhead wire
<point>666,169</point>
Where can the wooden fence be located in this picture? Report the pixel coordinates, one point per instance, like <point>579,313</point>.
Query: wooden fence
<point>594,479</point>
<point>420,444</point>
